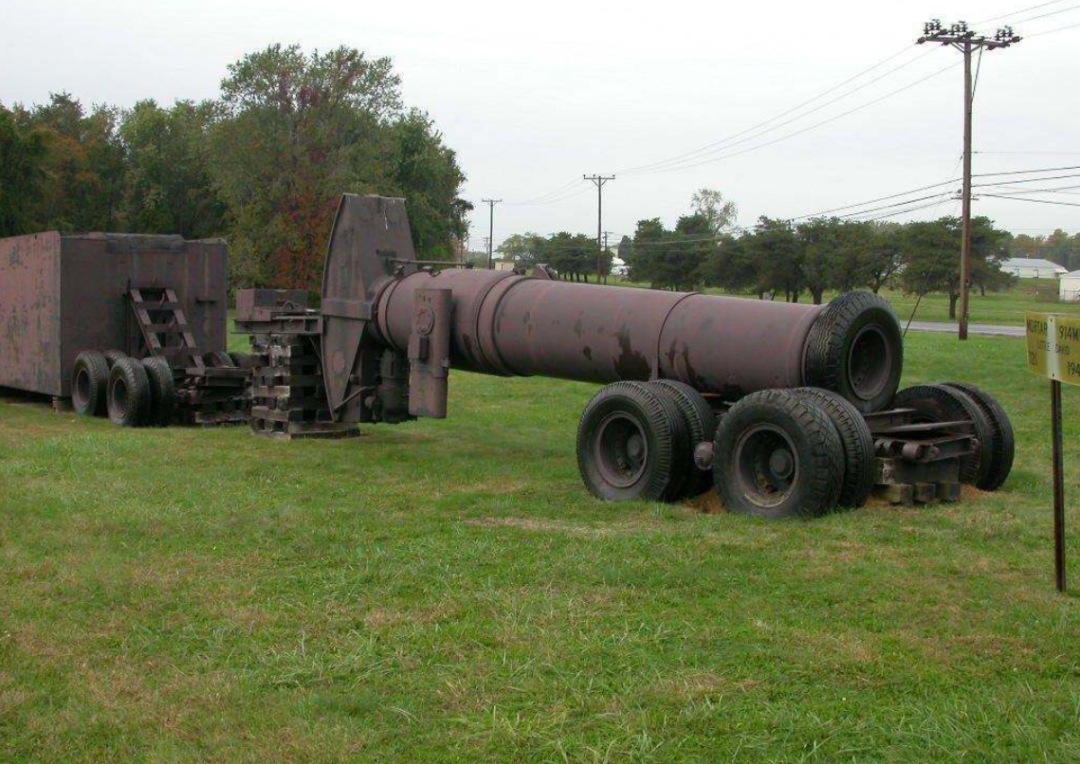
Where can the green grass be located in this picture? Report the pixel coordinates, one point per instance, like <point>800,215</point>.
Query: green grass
<point>447,591</point>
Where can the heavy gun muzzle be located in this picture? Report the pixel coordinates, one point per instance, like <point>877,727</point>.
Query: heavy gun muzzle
<point>378,319</point>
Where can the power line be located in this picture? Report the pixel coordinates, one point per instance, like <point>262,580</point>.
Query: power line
<point>1033,201</point>
<point>879,199</point>
<point>1050,153</point>
<point>1052,31</point>
<point>1026,180</point>
<point>949,194</point>
<point>1022,10</point>
<point>1025,172</point>
<point>813,126</point>
<point>725,143</point>
<point>901,212</point>
<point>1044,15</point>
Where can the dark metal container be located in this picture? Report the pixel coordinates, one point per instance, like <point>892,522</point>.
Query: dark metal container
<point>60,295</point>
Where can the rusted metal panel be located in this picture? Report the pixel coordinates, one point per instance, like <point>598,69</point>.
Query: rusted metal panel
<point>30,313</point>
<point>429,353</point>
<point>266,304</point>
<point>60,295</point>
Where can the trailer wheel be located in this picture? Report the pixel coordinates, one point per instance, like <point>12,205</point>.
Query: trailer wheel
<point>162,391</point>
<point>777,455</point>
<point>632,444</point>
<point>858,444</point>
<point>112,356</point>
<point>129,393</point>
<point>218,359</point>
<point>1003,450</point>
<point>89,382</point>
<point>941,403</point>
<point>701,426</point>
<point>855,348</point>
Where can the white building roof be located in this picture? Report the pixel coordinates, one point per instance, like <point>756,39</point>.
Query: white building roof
<point>1031,262</point>
<point>1072,275</point>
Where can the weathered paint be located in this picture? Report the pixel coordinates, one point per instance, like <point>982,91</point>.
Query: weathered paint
<point>60,295</point>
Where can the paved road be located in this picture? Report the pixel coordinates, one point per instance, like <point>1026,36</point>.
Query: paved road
<point>994,330</point>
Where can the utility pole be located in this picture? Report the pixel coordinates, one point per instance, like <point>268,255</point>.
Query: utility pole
<point>966,41</point>
<point>599,181</point>
<point>491,225</point>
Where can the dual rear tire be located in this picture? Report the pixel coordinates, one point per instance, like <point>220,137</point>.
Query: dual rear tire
<point>132,393</point>
<point>776,453</point>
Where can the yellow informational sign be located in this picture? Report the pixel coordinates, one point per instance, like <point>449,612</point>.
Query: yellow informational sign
<point>1053,346</point>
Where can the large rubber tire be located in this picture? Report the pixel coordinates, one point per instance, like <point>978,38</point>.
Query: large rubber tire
<point>112,356</point>
<point>941,403</point>
<point>162,391</point>
<point>129,398</point>
<point>855,348</point>
<point>701,427</point>
<point>1003,449</point>
<point>218,359</point>
<point>632,444</point>
<point>860,461</point>
<point>89,383</point>
<point>749,475</point>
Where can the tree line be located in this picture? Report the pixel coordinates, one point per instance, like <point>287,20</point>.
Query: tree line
<point>782,259</point>
<point>1057,247</point>
<point>262,165</point>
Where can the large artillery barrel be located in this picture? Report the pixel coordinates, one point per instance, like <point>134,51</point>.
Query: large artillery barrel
<point>510,324</point>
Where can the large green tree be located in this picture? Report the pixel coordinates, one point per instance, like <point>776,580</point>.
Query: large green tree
<point>169,186</point>
<point>932,257</point>
<point>84,165</point>
<point>22,175</point>
<point>295,130</point>
<point>425,172</point>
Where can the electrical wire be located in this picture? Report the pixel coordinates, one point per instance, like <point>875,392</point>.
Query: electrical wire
<point>1052,31</point>
<point>948,194</point>
<point>1045,15</point>
<point>901,212</point>
<point>878,199</point>
<point>726,142</point>
<point>814,126</point>
<point>1033,201</point>
<point>1022,10</point>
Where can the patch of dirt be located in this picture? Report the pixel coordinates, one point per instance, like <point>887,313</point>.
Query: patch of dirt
<point>708,503</point>
<point>545,526</point>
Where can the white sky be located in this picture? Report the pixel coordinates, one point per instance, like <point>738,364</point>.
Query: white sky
<point>532,97</point>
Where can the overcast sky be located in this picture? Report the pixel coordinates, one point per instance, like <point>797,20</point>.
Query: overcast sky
<point>532,96</point>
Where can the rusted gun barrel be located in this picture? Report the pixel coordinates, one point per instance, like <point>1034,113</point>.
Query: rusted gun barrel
<point>778,406</point>
<point>509,324</point>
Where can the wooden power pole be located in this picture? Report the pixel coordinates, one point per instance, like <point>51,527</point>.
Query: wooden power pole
<point>966,41</point>
<point>599,180</point>
<point>491,225</point>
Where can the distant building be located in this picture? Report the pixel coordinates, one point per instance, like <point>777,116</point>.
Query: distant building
<point>1069,287</point>
<point>1032,268</point>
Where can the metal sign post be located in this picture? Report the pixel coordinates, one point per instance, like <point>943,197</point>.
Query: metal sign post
<point>1053,351</point>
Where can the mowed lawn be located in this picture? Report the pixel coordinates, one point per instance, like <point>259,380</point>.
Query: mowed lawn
<point>448,592</point>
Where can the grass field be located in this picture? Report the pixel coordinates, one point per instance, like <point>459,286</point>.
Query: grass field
<point>1007,307</point>
<point>448,592</point>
